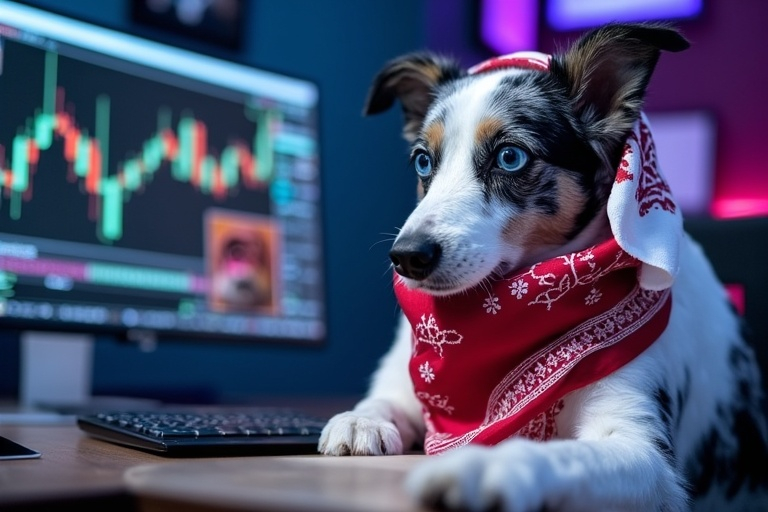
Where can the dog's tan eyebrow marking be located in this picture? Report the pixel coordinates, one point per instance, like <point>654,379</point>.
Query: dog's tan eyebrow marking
<point>487,128</point>
<point>433,136</point>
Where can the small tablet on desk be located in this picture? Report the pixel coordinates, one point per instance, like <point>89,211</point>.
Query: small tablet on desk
<point>10,450</point>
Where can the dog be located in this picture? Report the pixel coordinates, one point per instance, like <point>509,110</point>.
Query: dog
<point>242,279</point>
<point>517,164</point>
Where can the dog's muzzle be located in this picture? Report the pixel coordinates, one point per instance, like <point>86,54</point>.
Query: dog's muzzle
<point>415,257</point>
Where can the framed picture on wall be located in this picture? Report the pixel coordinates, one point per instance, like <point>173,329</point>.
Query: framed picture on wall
<point>218,22</point>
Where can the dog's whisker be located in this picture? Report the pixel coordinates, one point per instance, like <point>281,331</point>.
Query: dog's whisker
<point>487,287</point>
<point>374,244</point>
<point>388,270</point>
<point>391,237</point>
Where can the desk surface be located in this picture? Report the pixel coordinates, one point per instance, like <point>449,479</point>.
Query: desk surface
<point>75,467</point>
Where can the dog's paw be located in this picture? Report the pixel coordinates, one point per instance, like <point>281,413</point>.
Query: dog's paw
<point>350,433</point>
<point>480,478</point>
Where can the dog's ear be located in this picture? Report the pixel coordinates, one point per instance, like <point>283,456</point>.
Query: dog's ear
<point>607,72</point>
<point>412,79</point>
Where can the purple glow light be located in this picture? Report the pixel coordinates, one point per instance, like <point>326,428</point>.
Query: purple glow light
<point>508,26</point>
<point>573,14</point>
<point>685,148</point>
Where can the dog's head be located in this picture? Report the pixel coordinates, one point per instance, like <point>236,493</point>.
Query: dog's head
<point>515,165</point>
<point>241,277</point>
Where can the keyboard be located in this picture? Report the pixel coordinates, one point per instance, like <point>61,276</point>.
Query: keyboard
<point>257,431</point>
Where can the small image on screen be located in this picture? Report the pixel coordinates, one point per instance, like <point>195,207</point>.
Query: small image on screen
<point>243,262</point>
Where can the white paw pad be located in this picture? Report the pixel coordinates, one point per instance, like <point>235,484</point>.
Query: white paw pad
<point>349,433</point>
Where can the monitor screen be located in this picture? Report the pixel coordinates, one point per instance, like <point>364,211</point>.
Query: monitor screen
<point>147,189</point>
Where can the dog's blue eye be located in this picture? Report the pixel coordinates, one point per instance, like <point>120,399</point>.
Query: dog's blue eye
<point>511,158</point>
<point>422,162</point>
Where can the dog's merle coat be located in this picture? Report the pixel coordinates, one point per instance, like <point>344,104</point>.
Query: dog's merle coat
<point>515,167</point>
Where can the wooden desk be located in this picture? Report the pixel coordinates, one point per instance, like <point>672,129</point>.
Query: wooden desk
<point>76,470</point>
<point>73,467</point>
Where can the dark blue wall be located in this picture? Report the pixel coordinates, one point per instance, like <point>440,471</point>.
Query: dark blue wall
<point>340,44</point>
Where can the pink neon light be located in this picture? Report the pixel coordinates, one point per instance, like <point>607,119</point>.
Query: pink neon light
<point>726,208</point>
<point>737,295</point>
<point>508,26</point>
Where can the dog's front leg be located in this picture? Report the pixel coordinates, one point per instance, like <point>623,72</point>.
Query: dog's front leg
<point>388,420</point>
<point>619,459</point>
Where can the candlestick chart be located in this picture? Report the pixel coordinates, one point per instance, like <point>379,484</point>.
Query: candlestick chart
<point>78,138</point>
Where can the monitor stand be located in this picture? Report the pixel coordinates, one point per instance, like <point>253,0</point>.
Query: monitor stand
<point>56,370</point>
<point>56,376</point>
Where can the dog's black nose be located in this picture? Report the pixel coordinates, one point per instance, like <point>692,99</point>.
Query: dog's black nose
<point>415,258</point>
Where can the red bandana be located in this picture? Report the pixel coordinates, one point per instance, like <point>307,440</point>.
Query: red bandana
<point>496,361</point>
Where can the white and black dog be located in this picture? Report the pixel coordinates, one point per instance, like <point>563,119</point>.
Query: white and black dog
<point>516,165</point>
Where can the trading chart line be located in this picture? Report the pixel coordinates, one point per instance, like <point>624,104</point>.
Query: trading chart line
<point>185,149</point>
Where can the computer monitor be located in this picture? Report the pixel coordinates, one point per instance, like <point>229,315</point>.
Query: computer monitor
<point>150,192</point>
